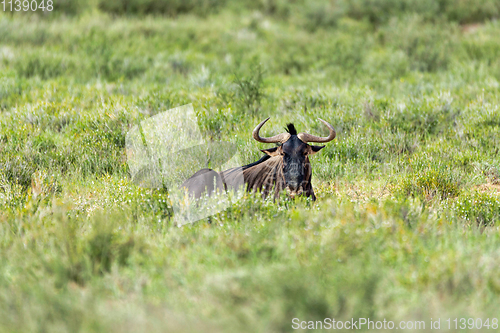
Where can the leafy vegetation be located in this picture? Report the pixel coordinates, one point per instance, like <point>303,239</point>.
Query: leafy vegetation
<point>406,225</point>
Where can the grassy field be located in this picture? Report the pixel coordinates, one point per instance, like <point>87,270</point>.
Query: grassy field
<point>407,221</point>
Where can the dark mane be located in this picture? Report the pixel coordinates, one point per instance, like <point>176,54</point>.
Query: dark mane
<point>291,129</point>
<point>262,159</point>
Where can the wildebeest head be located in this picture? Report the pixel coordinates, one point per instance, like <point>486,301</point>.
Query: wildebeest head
<point>294,153</point>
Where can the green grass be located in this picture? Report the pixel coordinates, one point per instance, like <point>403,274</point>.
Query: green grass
<point>406,225</point>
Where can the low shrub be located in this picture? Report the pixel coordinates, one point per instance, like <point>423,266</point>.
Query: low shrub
<point>250,89</point>
<point>480,207</point>
<point>430,182</point>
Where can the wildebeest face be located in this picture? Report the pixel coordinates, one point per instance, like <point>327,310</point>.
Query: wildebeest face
<point>294,152</point>
<point>295,163</point>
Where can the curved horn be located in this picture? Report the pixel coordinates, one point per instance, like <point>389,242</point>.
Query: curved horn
<point>283,137</point>
<point>305,137</point>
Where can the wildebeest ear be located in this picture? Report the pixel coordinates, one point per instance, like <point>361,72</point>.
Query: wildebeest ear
<point>271,151</point>
<point>315,149</point>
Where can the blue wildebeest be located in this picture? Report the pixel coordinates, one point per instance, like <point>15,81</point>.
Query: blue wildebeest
<point>285,167</point>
